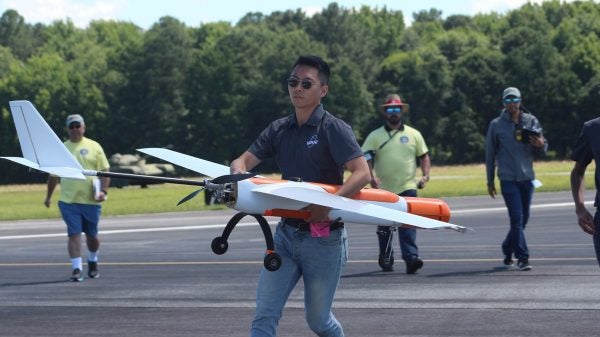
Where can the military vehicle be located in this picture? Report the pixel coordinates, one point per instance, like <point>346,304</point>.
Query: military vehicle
<point>135,164</point>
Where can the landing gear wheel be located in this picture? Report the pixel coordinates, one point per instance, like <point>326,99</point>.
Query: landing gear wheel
<point>272,261</point>
<point>219,245</point>
<point>386,263</point>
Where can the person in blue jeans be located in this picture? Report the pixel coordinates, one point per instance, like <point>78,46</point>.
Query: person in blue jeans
<point>314,146</point>
<point>586,149</point>
<point>512,140</point>
<point>393,152</point>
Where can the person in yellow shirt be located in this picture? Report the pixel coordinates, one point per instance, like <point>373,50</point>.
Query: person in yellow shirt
<point>392,151</point>
<point>80,200</point>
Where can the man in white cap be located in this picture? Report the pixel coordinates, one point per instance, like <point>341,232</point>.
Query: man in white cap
<point>79,201</point>
<point>392,152</point>
<point>511,142</point>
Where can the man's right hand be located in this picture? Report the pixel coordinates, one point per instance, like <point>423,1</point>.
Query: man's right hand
<point>47,202</point>
<point>492,191</point>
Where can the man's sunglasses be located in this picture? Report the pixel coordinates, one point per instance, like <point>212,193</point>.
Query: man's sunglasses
<point>393,110</point>
<point>293,82</point>
<point>74,126</point>
<point>509,100</point>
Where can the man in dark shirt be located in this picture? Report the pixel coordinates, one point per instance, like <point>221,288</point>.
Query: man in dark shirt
<point>586,149</point>
<point>315,146</point>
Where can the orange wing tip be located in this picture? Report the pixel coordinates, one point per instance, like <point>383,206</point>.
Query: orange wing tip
<point>430,208</point>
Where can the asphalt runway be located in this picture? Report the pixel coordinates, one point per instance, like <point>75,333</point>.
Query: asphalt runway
<point>159,277</point>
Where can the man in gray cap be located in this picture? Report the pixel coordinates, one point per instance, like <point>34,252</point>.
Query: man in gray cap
<point>79,201</point>
<point>511,142</point>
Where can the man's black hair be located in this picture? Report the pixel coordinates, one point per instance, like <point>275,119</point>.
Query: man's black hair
<point>315,62</point>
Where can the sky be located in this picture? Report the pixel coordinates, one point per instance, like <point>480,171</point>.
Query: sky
<point>193,13</point>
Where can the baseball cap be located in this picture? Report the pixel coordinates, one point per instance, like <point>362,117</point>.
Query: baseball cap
<point>74,118</point>
<point>511,91</point>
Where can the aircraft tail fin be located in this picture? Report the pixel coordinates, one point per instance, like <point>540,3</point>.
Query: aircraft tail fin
<point>41,147</point>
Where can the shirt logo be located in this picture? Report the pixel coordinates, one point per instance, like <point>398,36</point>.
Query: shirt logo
<point>404,139</point>
<point>83,152</point>
<point>312,141</point>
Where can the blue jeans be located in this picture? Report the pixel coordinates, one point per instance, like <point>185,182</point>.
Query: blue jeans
<point>319,262</point>
<point>597,234</point>
<point>406,236</point>
<point>517,197</point>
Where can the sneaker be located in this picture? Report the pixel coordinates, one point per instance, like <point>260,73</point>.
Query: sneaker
<point>93,269</point>
<point>414,265</point>
<point>524,265</point>
<point>76,276</point>
<point>386,262</point>
<point>508,261</point>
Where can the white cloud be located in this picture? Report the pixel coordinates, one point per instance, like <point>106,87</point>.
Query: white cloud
<point>80,12</point>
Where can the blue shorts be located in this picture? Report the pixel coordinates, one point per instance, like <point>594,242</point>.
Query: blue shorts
<point>80,218</point>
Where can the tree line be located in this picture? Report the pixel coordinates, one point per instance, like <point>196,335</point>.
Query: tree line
<point>209,90</point>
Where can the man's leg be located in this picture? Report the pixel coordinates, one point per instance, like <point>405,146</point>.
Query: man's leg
<point>274,287</point>
<point>322,263</point>
<point>597,235</point>
<point>513,200</point>
<point>408,242</point>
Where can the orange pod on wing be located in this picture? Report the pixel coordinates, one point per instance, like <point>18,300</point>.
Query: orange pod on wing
<point>430,208</point>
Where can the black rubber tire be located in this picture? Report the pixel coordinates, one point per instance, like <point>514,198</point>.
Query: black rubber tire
<point>272,261</point>
<point>219,245</point>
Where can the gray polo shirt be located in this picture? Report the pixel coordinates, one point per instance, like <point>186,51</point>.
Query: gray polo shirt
<point>587,148</point>
<point>513,157</point>
<point>314,152</point>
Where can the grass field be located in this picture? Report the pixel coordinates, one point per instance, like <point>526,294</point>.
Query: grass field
<point>26,201</point>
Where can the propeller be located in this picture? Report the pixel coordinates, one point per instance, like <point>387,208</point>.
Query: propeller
<point>224,179</point>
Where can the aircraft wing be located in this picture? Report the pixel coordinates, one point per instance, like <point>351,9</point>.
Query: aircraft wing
<point>201,166</point>
<point>304,193</point>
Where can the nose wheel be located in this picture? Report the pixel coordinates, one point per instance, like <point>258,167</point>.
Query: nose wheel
<point>219,245</point>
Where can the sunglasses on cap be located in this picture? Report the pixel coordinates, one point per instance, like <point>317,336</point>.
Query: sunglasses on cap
<point>509,100</point>
<point>393,110</point>
<point>293,82</point>
<point>74,126</point>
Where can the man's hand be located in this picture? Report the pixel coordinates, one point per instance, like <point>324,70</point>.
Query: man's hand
<point>47,202</point>
<point>375,182</point>
<point>421,184</point>
<point>318,213</point>
<point>492,191</point>
<point>536,141</point>
<point>585,220</point>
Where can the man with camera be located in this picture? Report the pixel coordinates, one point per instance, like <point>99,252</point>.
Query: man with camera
<point>512,140</point>
<point>393,152</point>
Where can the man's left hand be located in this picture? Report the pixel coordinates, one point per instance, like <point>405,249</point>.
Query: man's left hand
<point>318,213</point>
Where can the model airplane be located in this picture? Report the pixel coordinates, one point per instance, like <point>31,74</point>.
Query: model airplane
<point>246,193</point>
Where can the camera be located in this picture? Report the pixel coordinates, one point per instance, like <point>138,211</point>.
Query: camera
<point>522,134</point>
<point>370,155</point>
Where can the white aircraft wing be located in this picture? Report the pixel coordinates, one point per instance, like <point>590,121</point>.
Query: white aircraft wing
<point>302,192</point>
<point>41,147</point>
<point>201,166</point>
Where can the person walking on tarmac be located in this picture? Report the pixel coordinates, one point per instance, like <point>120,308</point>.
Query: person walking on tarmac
<point>80,200</point>
<point>512,140</point>
<point>392,152</point>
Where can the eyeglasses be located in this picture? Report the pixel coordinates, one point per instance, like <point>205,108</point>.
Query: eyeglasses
<point>509,100</point>
<point>293,82</point>
<point>393,110</point>
<point>74,126</point>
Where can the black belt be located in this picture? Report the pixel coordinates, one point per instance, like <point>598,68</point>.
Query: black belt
<point>305,226</point>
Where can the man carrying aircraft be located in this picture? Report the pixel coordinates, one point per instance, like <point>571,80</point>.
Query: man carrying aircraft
<point>586,149</point>
<point>315,146</point>
<point>80,200</point>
